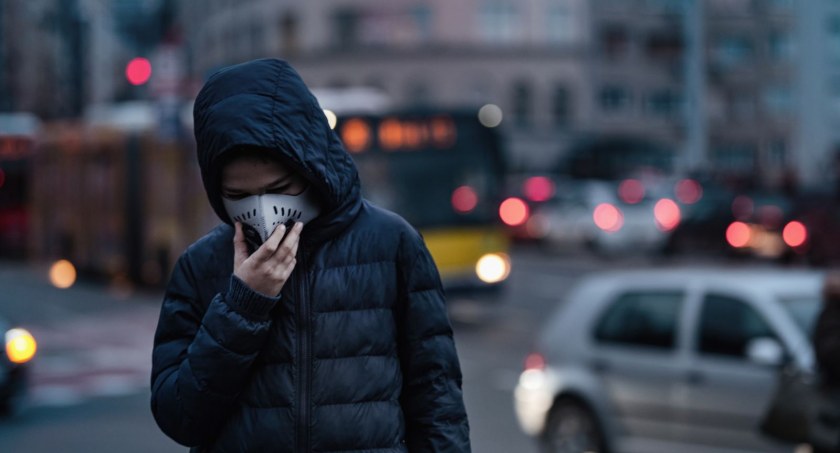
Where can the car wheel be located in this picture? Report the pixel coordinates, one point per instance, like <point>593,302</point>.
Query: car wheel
<point>571,428</point>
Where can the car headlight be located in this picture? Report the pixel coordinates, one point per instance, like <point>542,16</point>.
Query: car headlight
<point>493,267</point>
<point>20,345</point>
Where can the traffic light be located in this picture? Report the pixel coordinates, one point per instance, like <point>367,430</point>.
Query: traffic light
<point>138,71</point>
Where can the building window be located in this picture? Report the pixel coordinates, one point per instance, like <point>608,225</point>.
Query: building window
<point>499,21</point>
<point>257,44</point>
<point>780,46</point>
<point>522,103</point>
<point>561,26</point>
<point>664,45</point>
<point>777,153</point>
<point>561,105</point>
<point>664,103</point>
<point>778,100</point>
<point>735,157</point>
<point>742,106</point>
<point>422,16</point>
<point>834,95</point>
<point>289,33</point>
<point>665,6</point>
<point>832,44</point>
<point>346,28</point>
<point>615,41</point>
<point>614,98</point>
<point>732,51</point>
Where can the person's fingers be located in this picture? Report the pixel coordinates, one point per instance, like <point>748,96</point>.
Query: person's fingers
<point>293,237</point>
<point>270,246</point>
<point>240,248</point>
<point>287,270</point>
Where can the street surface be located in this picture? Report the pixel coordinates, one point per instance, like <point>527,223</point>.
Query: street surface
<point>90,379</point>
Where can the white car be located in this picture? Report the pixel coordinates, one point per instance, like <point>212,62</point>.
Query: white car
<point>591,214</point>
<point>679,360</point>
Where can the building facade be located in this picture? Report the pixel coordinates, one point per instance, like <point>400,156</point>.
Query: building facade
<point>526,57</point>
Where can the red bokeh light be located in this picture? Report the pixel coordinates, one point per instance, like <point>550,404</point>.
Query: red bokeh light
<point>667,214</point>
<point>770,216</point>
<point>738,234</point>
<point>138,71</point>
<point>631,191</point>
<point>534,361</point>
<point>464,199</point>
<point>795,234</point>
<point>608,218</point>
<point>689,191</point>
<point>514,211</point>
<point>2,178</point>
<point>538,188</point>
<point>742,207</point>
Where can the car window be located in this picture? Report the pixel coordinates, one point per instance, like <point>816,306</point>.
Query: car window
<point>804,311</point>
<point>647,319</point>
<point>727,325</point>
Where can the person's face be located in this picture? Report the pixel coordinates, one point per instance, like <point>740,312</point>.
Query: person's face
<point>252,176</point>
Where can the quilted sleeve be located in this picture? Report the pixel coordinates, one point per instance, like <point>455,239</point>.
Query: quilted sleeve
<point>202,357</point>
<point>436,420</point>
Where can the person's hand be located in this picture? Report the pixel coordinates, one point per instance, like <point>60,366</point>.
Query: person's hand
<point>268,268</point>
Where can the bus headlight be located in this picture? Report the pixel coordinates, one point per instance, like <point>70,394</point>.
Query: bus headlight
<point>493,267</point>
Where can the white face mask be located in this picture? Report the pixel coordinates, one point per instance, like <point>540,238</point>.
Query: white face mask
<point>260,214</point>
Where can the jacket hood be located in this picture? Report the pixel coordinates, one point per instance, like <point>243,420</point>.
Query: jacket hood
<point>265,104</point>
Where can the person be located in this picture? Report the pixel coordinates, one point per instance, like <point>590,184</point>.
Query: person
<point>329,334</point>
<point>825,426</point>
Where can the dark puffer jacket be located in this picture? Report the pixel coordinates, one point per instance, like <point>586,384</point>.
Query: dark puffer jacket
<point>356,353</point>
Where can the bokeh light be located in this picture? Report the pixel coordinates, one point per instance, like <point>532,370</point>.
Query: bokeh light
<point>2,178</point>
<point>514,211</point>
<point>464,199</point>
<point>138,71</point>
<point>738,234</point>
<point>534,361</point>
<point>795,234</point>
<point>538,226</point>
<point>631,191</point>
<point>20,345</point>
<point>490,115</point>
<point>689,191</point>
<point>493,267</point>
<point>355,134</point>
<point>667,214</point>
<point>742,207</point>
<point>62,274</point>
<point>538,188</point>
<point>608,217</point>
<point>332,119</point>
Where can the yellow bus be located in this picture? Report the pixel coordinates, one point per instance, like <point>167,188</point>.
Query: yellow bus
<point>443,172</point>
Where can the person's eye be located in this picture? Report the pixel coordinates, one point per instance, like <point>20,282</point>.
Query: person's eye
<point>278,190</point>
<point>234,196</point>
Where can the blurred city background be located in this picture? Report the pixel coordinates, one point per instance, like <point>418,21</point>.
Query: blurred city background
<point>533,142</point>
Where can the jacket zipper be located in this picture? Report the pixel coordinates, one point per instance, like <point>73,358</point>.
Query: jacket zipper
<point>305,357</point>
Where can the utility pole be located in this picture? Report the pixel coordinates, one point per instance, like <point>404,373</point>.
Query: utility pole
<point>694,63</point>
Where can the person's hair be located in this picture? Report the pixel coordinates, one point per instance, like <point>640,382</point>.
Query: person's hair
<point>254,153</point>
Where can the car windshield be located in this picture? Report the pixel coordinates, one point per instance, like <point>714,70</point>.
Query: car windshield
<point>804,311</point>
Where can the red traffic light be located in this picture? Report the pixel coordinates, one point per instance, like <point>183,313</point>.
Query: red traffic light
<point>138,71</point>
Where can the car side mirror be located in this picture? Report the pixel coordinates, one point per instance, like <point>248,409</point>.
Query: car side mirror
<point>765,351</point>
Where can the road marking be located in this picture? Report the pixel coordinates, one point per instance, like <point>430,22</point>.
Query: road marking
<point>100,355</point>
